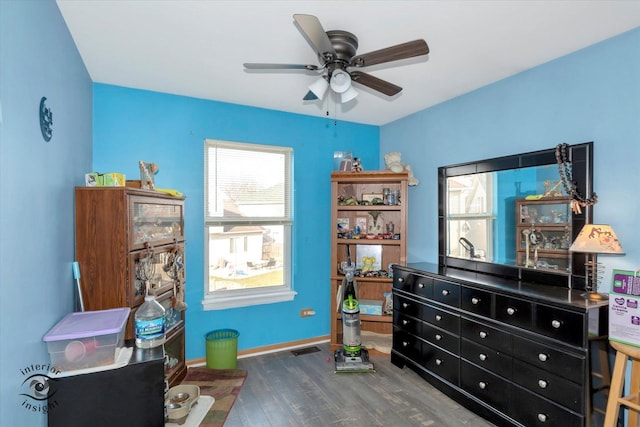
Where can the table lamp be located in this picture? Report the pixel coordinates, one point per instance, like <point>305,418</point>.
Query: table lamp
<point>592,240</point>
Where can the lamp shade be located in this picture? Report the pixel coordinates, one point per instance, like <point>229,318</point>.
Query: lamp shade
<point>348,95</point>
<point>597,239</point>
<point>340,81</point>
<point>319,88</point>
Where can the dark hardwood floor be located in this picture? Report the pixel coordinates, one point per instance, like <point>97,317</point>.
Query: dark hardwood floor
<point>287,390</point>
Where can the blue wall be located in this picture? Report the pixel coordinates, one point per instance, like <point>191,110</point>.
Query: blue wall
<point>590,95</point>
<point>37,58</point>
<point>132,125</point>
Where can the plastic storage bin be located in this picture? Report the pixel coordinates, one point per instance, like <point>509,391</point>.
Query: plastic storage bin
<point>86,339</point>
<point>222,349</point>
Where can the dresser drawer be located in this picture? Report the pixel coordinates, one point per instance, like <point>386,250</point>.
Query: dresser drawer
<point>514,311</point>
<point>421,286</point>
<point>486,335</point>
<point>446,293</point>
<point>487,358</point>
<point>544,383</point>
<point>533,411</point>
<point>567,365</point>
<point>563,325</point>
<point>407,323</point>
<point>406,306</point>
<point>441,318</point>
<point>406,344</point>
<point>441,338</point>
<point>476,301</point>
<point>440,363</point>
<point>485,386</point>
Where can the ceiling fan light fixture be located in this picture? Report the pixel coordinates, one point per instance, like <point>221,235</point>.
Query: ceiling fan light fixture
<point>319,87</point>
<point>348,95</point>
<point>340,81</point>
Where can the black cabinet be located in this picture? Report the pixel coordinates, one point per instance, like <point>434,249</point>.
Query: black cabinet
<point>515,353</point>
<point>132,395</point>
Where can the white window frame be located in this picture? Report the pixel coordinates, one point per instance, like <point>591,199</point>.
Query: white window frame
<point>218,300</point>
<point>485,215</point>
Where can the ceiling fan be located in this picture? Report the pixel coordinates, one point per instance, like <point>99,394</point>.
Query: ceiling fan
<point>336,52</point>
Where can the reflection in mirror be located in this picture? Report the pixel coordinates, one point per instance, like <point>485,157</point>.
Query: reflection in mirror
<point>481,210</point>
<point>511,216</point>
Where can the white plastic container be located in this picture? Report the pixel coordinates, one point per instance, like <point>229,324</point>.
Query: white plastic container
<point>86,339</point>
<point>150,323</point>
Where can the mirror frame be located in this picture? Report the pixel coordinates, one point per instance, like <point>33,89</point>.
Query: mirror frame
<point>581,158</point>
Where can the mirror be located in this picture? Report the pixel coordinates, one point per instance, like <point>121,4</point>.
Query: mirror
<point>511,216</point>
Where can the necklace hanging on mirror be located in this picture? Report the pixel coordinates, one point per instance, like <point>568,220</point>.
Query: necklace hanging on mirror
<point>566,176</point>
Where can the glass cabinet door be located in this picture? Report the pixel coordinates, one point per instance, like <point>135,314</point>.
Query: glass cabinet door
<point>156,221</point>
<point>158,269</point>
<point>544,212</point>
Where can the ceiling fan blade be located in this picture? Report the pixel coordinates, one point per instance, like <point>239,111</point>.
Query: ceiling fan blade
<point>263,66</point>
<point>375,83</point>
<point>393,53</point>
<point>315,34</point>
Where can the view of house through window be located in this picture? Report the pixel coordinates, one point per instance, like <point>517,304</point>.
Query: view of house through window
<point>247,218</point>
<point>471,217</point>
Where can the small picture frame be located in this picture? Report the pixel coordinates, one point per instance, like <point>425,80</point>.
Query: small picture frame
<point>343,225</point>
<point>369,197</point>
<point>373,253</point>
<point>361,221</point>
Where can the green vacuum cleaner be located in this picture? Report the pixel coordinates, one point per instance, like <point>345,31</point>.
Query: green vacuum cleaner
<point>352,356</point>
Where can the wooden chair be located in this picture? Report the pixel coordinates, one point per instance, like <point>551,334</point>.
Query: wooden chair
<point>600,378</point>
<point>624,353</point>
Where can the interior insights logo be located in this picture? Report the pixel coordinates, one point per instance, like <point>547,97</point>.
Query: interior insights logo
<point>38,388</point>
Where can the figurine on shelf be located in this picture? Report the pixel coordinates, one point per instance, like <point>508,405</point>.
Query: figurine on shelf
<point>147,172</point>
<point>394,164</point>
<point>376,224</point>
<point>357,166</point>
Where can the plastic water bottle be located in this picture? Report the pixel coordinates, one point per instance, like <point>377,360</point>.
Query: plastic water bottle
<point>149,322</point>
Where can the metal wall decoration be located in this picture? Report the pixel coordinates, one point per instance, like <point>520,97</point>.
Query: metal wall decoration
<point>46,120</point>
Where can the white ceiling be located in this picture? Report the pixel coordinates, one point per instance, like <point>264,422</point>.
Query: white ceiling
<point>197,48</point>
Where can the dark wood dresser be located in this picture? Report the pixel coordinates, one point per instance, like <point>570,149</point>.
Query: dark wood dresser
<point>515,353</point>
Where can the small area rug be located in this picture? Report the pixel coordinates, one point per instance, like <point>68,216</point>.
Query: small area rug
<point>223,384</point>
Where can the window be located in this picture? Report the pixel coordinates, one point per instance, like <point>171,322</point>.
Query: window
<point>248,220</point>
<point>470,216</point>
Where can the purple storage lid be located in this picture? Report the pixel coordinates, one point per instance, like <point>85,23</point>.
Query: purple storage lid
<point>88,324</point>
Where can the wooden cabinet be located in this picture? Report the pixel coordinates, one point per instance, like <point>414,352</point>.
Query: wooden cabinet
<point>515,353</point>
<point>543,233</point>
<point>369,216</point>
<point>127,239</point>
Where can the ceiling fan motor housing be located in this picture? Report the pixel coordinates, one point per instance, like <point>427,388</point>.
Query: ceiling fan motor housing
<point>345,45</point>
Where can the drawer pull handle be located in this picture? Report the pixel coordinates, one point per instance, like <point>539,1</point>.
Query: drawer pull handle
<point>438,337</point>
<point>404,343</point>
<point>542,384</point>
<point>438,362</point>
<point>483,334</point>
<point>445,292</point>
<point>438,317</point>
<point>482,385</point>
<point>482,357</point>
<point>511,311</point>
<point>421,285</point>
<point>475,301</point>
<point>405,322</point>
<point>400,279</point>
<point>543,357</point>
<point>555,323</point>
<point>405,305</point>
<point>542,418</point>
